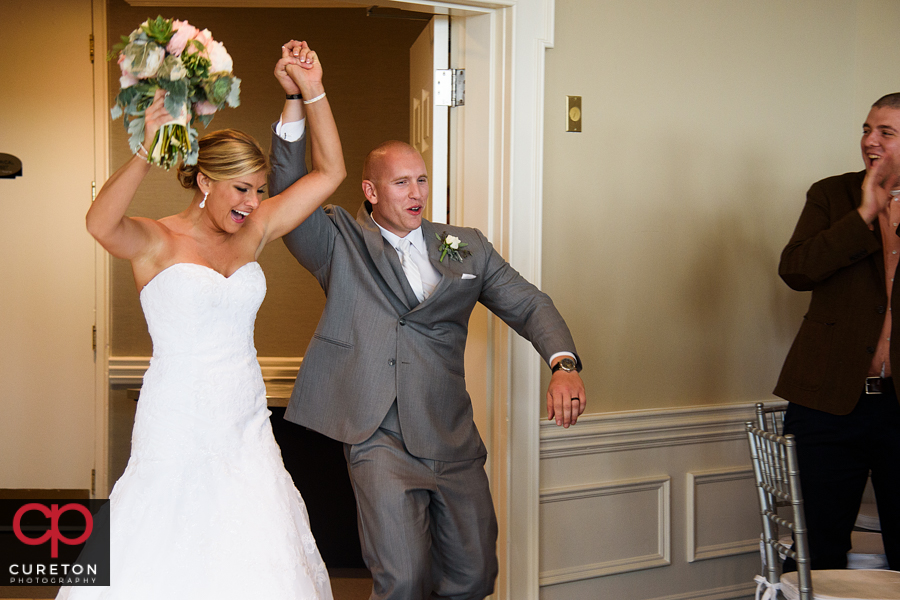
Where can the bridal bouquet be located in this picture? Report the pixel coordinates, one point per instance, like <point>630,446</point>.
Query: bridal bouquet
<point>193,69</point>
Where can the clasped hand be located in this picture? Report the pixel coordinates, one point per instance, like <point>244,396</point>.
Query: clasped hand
<point>882,178</point>
<point>299,65</point>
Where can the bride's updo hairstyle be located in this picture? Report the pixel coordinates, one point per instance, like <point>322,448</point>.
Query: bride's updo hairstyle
<point>224,154</point>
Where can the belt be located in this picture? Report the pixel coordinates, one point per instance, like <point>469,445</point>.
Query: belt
<point>879,385</point>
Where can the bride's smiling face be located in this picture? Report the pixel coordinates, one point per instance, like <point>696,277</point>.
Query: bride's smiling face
<point>231,201</point>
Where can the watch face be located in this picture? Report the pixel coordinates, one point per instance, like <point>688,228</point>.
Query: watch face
<point>567,364</point>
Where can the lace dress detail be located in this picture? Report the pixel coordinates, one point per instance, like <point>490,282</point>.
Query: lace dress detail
<point>205,508</point>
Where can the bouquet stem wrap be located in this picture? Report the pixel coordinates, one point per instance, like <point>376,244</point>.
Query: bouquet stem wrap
<point>171,140</point>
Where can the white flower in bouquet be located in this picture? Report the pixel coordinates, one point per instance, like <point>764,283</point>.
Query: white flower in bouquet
<point>195,71</point>
<point>220,61</point>
<point>172,68</point>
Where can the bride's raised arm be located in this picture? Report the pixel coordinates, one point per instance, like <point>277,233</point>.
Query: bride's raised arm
<point>123,236</point>
<point>282,213</point>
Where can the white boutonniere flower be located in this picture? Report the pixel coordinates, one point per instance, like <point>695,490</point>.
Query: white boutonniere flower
<point>452,246</point>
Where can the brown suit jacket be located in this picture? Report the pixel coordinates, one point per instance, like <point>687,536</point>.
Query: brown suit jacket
<point>834,254</point>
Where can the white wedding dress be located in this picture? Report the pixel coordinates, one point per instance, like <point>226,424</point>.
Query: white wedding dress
<point>205,508</point>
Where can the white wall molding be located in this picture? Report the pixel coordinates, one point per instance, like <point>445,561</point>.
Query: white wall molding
<point>635,430</point>
<point>597,524</point>
<point>729,592</point>
<point>129,370</point>
<point>695,519</point>
<point>663,510</point>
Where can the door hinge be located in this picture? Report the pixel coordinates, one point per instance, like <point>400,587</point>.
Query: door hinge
<point>450,87</point>
<point>93,482</point>
<point>91,38</point>
<point>93,191</point>
<point>94,337</point>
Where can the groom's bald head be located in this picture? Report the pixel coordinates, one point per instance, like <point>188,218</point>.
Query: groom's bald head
<point>378,160</point>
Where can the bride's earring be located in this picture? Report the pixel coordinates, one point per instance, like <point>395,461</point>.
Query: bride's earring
<point>203,202</point>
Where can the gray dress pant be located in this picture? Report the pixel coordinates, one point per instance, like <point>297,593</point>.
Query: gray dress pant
<point>427,528</point>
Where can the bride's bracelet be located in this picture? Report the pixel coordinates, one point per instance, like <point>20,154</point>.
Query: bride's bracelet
<point>145,155</point>
<point>316,99</point>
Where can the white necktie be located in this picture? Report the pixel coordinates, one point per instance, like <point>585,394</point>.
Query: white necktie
<point>411,269</point>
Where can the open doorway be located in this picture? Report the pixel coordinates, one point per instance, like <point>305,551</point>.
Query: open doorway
<point>366,62</point>
<point>484,165</point>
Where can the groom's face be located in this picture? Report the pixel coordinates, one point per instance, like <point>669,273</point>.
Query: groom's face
<point>398,190</point>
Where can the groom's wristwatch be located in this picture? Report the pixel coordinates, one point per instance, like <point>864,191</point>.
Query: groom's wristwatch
<point>566,364</point>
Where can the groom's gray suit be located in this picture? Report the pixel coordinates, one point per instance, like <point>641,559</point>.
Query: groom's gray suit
<point>376,344</point>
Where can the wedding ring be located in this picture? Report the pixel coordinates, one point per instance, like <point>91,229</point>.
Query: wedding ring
<point>576,399</point>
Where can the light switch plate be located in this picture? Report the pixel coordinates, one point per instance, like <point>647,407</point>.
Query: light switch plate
<point>573,113</point>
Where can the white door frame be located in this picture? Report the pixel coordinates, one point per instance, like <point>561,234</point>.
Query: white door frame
<point>519,33</point>
<point>100,484</point>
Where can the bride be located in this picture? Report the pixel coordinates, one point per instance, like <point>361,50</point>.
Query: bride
<point>205,508</point>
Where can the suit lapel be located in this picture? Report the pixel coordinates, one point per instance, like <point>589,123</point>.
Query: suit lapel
<point>390,270</point>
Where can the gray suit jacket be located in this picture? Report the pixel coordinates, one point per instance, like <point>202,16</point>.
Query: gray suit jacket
<point>376,343</point>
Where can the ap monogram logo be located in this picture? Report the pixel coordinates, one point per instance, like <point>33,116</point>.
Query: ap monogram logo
<point>54,542</point>
<point>53,534</point>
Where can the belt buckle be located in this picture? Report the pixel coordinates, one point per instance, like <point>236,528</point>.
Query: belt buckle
<point>874,385</point>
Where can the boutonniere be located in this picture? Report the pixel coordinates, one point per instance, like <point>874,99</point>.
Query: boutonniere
<point>450,245</point>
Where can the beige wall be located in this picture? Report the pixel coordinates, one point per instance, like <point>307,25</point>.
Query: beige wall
<point>704,124</point>
<point>366,62</point>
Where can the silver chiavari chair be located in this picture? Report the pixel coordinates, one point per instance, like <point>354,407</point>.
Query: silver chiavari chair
<point>775,468</point>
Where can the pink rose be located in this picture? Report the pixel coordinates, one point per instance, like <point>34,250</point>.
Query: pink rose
<point>205,108</point>
<point>218,57</point>
<point>204,37</point>
<point>184,32</point>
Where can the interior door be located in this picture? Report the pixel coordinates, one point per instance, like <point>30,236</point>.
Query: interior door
<point>47,297</point>
<point>429,124</point>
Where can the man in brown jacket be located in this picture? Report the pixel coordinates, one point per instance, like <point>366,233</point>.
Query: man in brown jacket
<point>843,407</point>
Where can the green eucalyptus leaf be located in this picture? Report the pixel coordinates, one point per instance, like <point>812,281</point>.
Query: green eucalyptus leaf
<point>205,119</point>
<point>136,130</point>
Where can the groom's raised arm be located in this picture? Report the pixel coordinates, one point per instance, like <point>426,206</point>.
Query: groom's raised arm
<point>288,156</point>
<point>311,241</point>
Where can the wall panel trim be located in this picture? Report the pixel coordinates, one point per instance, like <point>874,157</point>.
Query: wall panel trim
<point>662,485</point>
<point>636,430</point>
<point>728,592</point>
<point>733,548</point>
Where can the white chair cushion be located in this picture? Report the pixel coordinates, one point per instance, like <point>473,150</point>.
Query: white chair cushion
<point>846,585</point>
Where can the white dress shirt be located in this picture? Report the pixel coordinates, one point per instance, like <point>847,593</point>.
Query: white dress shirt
<point>290,132</point>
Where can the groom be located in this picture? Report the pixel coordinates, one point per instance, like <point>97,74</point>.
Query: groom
<point>384,372</point>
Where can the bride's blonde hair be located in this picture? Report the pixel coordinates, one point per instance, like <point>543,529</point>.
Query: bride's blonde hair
<point>224,154</point>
